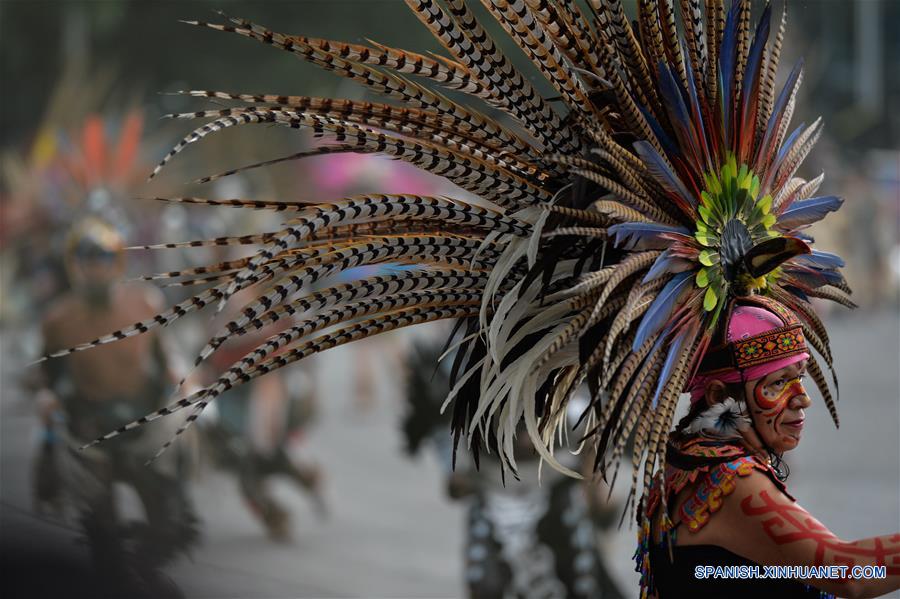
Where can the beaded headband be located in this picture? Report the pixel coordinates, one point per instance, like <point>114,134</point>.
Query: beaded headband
<point>775,344</point>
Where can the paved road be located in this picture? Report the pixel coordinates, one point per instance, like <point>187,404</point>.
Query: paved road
<point>392,534</point>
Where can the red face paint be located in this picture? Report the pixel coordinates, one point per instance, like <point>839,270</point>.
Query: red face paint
<point>773,403</point>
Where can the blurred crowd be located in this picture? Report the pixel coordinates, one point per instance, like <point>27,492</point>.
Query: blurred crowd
<point>70,205</point>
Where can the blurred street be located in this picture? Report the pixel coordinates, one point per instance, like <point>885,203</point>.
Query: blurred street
<point>391,532</point>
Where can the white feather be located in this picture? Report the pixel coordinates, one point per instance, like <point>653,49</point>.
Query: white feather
<point>725,419</point>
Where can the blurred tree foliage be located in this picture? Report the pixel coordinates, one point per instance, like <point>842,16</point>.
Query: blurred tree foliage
<point>148,51</point>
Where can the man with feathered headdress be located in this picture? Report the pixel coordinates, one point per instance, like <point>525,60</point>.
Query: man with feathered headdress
<point>629,224</point>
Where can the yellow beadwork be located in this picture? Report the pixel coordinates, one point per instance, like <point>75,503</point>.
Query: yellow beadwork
<point>708,498</point>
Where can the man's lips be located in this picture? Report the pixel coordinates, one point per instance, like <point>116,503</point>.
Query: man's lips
<point>795,424</point>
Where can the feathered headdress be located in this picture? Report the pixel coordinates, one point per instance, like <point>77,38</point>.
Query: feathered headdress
<point>624,217</point>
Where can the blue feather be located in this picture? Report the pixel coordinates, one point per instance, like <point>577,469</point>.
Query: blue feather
<point>667,264</point>
<point>662,173</point>
<point>672,94</point>
<point>750,86</point>
<point>832,276</point>
<point>812,278</point>
<point>643,236</point>
<point>796,291</point>
<point>820,259</point>
<point>665,141</point>
<point>778,111</point>
<point>822,276</point>
<point>804,212</point>
<point>661,309</point>
<point>786,146</point>
<point>657,345</point>
<point>675,348</point>
<point>727,60</point>
<point>673,98</point>
<point>660,266</point>
<point>696,111</point>
<point>754,59</point>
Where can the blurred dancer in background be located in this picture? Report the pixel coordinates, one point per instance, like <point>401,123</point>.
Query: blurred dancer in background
<point>86,393</point>
<point>532,537</point>
<point>348,174</point>
<point>258,432</point>
<point>73,165</point>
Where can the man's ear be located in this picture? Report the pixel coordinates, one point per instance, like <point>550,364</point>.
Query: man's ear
<point>715,392</point>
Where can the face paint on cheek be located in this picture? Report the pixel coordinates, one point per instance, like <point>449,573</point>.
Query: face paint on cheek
<point>772,405</point>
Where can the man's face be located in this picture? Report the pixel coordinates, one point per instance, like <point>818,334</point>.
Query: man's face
<point>777,403</point>
<point>94,274</point>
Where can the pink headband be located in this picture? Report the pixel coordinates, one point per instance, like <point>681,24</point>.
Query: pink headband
<point>761,340</point>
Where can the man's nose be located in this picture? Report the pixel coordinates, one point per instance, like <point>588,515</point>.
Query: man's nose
<point>800,399</point>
